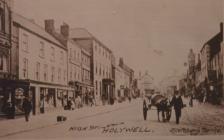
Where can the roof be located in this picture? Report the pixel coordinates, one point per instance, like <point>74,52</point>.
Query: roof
<point>214,43</point>
<point>35,29</point>
<point>82,33</point>
<point>79,33</point>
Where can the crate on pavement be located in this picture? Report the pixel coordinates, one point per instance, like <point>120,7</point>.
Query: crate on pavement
<point>61,118</point>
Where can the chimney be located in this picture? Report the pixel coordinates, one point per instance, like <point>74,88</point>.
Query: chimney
<point>121,62</point>
<point>65,30</point>
<point>49,26</point>
<point>221,29</point>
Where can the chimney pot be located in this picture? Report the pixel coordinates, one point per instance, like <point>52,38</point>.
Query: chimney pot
<point>49,25</point>
<point>65,30</point>
<point>221,27</point>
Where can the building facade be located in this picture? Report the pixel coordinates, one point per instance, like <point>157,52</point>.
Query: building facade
<point>40,63</point>
<point>6,77</point>
<point>74,66</point>
<point>102,69</point>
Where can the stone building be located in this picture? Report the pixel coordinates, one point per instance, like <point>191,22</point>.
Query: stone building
<point>40,64</point>
<point>101,64</point>
<point>6,76</point>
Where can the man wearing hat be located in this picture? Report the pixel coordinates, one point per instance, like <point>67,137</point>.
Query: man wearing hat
<point>177,102</point>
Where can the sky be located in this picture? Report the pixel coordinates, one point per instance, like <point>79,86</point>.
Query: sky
<point>152,35</point>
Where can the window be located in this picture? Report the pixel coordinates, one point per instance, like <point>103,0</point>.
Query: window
<point>95,47</point>
<point>25,42</point>
<point>99,50</point>
<point>59,74</point>
<point>62,57</point>
<point>52,74</point>
<point>100,70</point>
<point>2,21</point>
<point>96,68</point>
<point>3,63</point>
<point>41,54</point>
<point>25,68</point>
<point>78,57</point>
<point>37,71</point>
<point>45,72</point>
<point>52,54</point>
<point>74,55</point>
<point>96,87</point>
<point>74,73</point>
<point>64,75</point>
<point>70,73</point>
<point>70,55</point>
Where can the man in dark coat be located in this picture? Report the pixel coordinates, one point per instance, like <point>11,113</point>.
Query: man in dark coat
<point>177,102</point>
<point>27,107</point>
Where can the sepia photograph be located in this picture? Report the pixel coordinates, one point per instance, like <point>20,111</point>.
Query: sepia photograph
<point>111,69</point>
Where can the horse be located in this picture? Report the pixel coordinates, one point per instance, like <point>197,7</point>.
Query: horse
<point>163,105</point>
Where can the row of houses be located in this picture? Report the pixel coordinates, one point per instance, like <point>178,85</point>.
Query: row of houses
<point>206,70</point>
<point>52,65</point>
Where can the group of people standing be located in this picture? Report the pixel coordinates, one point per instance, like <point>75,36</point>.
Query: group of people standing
<point>78,102</point>
<point>205,94</point>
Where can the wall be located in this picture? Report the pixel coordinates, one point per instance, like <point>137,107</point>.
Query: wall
<point>33,57</point>
<point>102,62</point>
<point>74,62</point>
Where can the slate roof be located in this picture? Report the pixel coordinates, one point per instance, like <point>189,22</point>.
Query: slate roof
<point>35,29</point>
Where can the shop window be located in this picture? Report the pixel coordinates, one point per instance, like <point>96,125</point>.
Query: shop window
<point>3,63</point>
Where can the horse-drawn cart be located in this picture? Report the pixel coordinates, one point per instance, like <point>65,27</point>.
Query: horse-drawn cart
<point>161,103</point>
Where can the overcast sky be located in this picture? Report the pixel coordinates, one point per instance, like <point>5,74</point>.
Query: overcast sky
<point>153,35</point>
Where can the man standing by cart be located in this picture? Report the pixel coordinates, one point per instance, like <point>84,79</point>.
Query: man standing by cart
<point>177,102</point>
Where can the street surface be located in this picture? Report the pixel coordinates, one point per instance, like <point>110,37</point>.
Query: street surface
<point>126,119</point>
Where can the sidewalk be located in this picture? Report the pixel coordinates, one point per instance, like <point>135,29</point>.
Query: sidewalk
<point>10,127</point>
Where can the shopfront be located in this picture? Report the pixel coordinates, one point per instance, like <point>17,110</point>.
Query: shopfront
<point>108,91</point>
<point>12,93</point>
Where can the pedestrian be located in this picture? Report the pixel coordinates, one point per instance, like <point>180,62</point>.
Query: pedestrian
<point>69,103</point>
<point>72,104</point>
<point>27,107</point>
<point>145,107</point>
<point>192,97</point>
<point>204,94</point>
<point>177,102</point>
<point>41,103</point>
<point>91,99</point>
